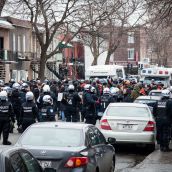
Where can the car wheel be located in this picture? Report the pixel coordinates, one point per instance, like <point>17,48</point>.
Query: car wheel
<point>150,147</point>
<point>112,168</point>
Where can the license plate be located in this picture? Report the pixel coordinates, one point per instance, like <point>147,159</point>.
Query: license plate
<point>45,164</point>
<point>127,127</point>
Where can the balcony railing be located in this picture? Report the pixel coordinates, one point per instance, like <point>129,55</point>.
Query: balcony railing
<point>14,57</point>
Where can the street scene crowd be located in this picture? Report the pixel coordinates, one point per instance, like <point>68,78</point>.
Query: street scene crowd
<point>26,102</point>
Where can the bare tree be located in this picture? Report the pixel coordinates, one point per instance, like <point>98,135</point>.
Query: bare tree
<point>108,33</point>
<point>160,42</point>
<point>2,4</point>
<point>160,10</point>
<point>54,16</point>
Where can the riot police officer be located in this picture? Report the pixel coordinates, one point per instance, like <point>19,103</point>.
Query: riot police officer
<point>106,98</point>
<point>16,101</point>
<point>163,124</point>
<point>72,102</point>
<point>89,105</point>
<point>5,116</point>
<point>29,112</point>
<point>47,111</point>
<point>24,90</point>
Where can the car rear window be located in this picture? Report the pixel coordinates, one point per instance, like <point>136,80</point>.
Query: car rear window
<point>128,111</point>
<point>59,137</point>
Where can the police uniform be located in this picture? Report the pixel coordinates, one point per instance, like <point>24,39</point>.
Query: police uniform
<point>72,102</point>
<point>16,103</point>
<point>163,125</point>
<point>89,105</point>
<point>6,116</point>
<point>47,113</point>
<point>29,114</point>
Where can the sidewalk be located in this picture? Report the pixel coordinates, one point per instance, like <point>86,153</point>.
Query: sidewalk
<point>156,162</point>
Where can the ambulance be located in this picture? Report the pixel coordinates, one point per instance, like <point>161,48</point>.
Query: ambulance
<point>104,71</point>
<point>158,74</point>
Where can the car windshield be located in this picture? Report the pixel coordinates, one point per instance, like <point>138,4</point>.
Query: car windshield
<point>126,111</point>
<point>60,137</point>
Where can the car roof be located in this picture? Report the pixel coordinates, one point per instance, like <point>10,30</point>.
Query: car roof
<point>149,98</point>
<point>156,91</point>
<point>127,104</point>
<point>69,125</point>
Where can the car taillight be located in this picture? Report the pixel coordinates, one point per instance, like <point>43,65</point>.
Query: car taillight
<point>105,125</point>
<point>150,126</point>
<point>75,162</point>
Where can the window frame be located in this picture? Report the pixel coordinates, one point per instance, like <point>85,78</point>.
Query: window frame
<point>131,38</point>
<point>129,53</point>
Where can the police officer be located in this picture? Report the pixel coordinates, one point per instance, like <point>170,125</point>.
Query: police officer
<point>24,90</point>
<point>16,101</point>
<point>5,116</point>
<point>47,111</point>
<point>29,112</point>
<point>89,105</point>
<point>46,91</point>
<point>106,98</point>
<point>163,124</point>
<point>72,103</point>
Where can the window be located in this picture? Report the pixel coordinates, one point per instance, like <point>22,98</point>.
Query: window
<point>17,163</point>
<point>131,37</point>
<point>19,43</point>
<point>24,43</point>
<point>131,53</point>
<point>100,136</point>
<point>31,163</point>
<point>14,42</point>
<point>93,140</point>
<point>95,137</point>
<point>59,137</point>
<point>127,111</point>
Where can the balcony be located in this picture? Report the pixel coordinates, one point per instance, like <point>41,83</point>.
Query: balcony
<point>7,56</point>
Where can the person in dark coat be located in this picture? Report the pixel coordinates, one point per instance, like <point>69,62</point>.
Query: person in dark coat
<point>29,112</point>
<point>6,115</point>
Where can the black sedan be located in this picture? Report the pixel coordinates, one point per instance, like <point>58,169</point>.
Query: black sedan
<point>17,160</point>
<point>69,147</point>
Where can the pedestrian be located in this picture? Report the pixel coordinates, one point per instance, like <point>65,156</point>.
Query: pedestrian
<point>163,118</point>
<point>6,115</point>
<point>89,105</point>
<point>29,112</point>
<point>16,102</point>
<point>72,102</point>
<point>47,111</point>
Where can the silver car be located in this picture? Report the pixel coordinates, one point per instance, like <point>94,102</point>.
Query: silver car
<point>129,123</point>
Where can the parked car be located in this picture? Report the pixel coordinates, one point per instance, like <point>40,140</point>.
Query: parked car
<point>161,93</point>
<point>69,147</point>
<point>129,123</point>
<point>13,159</point>
<point>151,101</point>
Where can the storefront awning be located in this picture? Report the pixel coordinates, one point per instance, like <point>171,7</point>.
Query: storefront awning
<point>6,24</point>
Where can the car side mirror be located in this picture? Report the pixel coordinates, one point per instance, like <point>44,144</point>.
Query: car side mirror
<point>111,140</point>
<point>49,170</point>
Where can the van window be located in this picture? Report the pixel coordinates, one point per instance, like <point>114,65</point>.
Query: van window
<point>119,73</point>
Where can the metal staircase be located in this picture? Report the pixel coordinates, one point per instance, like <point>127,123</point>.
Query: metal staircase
<point>54,69</point>
<point>2,72</point>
